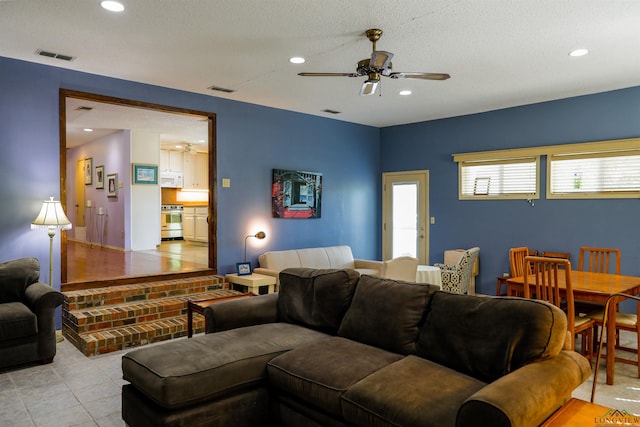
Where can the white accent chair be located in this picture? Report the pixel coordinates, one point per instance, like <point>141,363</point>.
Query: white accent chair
<point>457,278</point>
<point>401,268</point>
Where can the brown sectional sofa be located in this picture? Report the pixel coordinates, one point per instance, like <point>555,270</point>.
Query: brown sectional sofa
<point>336,349</point>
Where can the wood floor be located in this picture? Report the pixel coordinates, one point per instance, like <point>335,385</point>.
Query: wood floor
<point>87,262</point>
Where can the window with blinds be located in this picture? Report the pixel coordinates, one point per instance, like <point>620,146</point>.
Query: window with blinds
<point>612,174</point>
<point>506,178</point>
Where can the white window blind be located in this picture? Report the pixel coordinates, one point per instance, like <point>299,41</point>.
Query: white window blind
<point>604,174</point>
<point>504,178</point>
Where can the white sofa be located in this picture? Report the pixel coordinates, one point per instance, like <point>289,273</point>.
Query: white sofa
<point>271,263</point>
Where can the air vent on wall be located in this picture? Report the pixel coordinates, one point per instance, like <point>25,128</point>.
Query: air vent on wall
<point>54,55</point>
<point>221,89</point>
<point>326,110</point>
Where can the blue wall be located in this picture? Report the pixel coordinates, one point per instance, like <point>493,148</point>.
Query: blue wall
<point>251,140</point>
<point>496,226</point>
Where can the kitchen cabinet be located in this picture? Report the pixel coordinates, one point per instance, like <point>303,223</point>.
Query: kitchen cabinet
<point>188,223</point>
<point>171,161</point>
<point>196,171</point>
<point>194,224</point>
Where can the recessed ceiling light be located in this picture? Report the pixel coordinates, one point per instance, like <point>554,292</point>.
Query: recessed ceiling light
<point>579,52</point>
<point>297,60</point>
<point>405,92</point>
<point>87,130</point>
<point>112,6</point>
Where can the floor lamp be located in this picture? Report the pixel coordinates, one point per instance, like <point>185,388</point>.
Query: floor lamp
<point>605,318</point>
<point>51,218</point>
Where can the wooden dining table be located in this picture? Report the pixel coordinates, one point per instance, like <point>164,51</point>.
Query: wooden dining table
<point>594,287</point>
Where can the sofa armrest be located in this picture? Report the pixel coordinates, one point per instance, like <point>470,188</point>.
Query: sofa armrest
<point>268,272</point>
<point>368,264</point>
<point>526,396</point>
<point>241,312</point>
<point>40,297</point>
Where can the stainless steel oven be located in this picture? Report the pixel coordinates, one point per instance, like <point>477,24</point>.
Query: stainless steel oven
<point>171,222</point>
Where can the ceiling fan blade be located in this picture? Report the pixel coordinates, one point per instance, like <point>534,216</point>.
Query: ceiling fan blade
<point>426,76</point>
<point>328,74</point>
<point>380,60</point>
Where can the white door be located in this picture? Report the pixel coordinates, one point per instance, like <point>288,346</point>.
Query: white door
<point>405,209</point>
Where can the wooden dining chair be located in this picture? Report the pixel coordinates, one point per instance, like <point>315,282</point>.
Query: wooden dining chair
<point>544,283</point>
<point>516,264</point>
<point>624,322</point>
<point>553,254</point>
<point>598,260</point>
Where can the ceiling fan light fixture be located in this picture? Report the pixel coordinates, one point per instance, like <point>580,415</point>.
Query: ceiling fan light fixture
<point>380,60</point>
<point>369,86</point>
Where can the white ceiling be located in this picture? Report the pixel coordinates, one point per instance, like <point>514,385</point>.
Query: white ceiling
<point>500,53</point>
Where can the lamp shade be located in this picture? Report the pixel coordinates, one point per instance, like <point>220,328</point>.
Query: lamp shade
<point>51,216</point>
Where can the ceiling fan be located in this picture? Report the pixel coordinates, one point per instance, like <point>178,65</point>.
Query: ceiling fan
<point>378,65</point>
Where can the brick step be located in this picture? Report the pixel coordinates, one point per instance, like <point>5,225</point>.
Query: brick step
<point>113,316</point>
<point>125,337</point>
<point>102,320</point>
<point>99,297</point>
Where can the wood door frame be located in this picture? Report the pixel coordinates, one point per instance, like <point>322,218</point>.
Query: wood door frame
<point>423,204</point>
<point>213,195</point>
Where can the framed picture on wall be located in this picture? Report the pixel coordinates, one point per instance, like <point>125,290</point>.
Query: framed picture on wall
<point>99,177</point>
<point>145,174</point>
<point>88,170</point>
<point>296,194</point>
<point>112,185</point>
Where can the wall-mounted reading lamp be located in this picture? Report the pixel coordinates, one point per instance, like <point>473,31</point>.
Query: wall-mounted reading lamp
<point>259,235</point>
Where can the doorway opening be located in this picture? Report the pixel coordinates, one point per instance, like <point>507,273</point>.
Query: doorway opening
<point>93,219</point>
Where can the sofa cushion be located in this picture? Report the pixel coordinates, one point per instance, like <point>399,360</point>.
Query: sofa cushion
<point>185,372</point>
<point>16,321</point>
<point>315,298</point>
<point>488,337</point>
<point>279,260</point>
<point>412,392</point>
<point>314,258</point>
<point>340,256</point>
<point>386,313</point>
<point>319,373</point>
<point>15,276</point>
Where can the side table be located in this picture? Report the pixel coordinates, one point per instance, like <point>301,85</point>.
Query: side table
<point>578,413</point>
<point>198,306</point>
<point>253,282</point>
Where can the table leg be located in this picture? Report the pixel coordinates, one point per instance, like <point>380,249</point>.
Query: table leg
<point>189,321</point>
<point>611,341</point>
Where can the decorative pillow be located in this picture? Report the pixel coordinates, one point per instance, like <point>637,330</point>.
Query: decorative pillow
<point>387,313</point>
<point>488,337</point>
<point>315,298</point>
<point>15,276</point>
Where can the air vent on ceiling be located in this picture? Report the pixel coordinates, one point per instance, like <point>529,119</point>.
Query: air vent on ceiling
<point>84,108</point>
<point>326,110</point>
<point>221,89</point>
<point>54,55</point>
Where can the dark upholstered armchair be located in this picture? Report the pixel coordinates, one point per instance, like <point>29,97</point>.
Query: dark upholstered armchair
<point>27,314</point>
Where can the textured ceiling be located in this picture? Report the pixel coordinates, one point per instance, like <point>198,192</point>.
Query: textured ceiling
<point>500,53</point>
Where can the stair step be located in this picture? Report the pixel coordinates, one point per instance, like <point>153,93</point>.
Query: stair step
<point>98,297</point>
<point>102,320</point>
<point>114,316</point>
<point>122,338</point>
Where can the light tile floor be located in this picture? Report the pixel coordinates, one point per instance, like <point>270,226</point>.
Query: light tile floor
<point>76,390</point>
